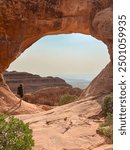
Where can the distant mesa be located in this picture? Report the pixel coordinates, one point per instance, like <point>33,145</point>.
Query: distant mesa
<point>31,82</point>
<point>40,90</point>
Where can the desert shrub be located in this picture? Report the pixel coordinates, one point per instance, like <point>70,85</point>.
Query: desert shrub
<point>108,120</point>
<point>107,106</point>
<point>106,128</point>
<point>66,98</point>
<point>14,134</point>
<point>107,132</point>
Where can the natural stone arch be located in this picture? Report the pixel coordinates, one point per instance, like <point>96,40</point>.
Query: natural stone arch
<point>24,22</point>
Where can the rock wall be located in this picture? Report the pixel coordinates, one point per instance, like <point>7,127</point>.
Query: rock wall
<point>31,82</point>
<point>23,22</point>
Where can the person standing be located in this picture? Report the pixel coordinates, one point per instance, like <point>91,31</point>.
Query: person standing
<point>20,90</point>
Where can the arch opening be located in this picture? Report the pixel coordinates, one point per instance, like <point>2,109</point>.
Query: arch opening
<point>77,58</point>
<point>35,20</point>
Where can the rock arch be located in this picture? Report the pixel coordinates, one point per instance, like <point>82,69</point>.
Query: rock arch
<point>24,22</point>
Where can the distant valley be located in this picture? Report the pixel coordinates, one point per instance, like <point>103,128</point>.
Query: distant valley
<point>80,83</point>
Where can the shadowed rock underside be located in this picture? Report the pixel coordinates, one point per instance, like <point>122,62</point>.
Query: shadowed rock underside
<point>22,23</point>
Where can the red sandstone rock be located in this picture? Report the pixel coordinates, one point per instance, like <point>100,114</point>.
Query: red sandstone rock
<point>50,95</point>
<point>24,22</point>
<point>31,82</point>
<point>67,128</point>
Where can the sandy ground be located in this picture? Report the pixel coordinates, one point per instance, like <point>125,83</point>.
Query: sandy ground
<point>69,127</point>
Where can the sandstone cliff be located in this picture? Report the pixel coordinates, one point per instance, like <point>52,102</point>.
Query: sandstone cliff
<point>22,23</point>
<point>31,82</point>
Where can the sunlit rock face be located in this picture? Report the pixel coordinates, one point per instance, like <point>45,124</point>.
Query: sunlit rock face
<point>23,22</point>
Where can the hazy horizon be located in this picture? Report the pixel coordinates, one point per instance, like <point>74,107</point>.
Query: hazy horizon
<point>75,56</point>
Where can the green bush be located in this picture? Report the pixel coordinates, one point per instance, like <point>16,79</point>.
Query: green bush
<point>106,128</point>
<point>106,131</point>
<point>66,98</point>
<point>107,106</point>
<point>14,134</point>
<point>109,120</point>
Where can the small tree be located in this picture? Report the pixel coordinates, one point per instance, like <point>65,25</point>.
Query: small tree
<point>14,134</point>
<point>107,106</point>
<point>66,98</point>
<point>20,90</point>
<point>106,128</point>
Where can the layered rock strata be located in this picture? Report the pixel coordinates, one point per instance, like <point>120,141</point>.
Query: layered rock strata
<point>24,22</point>
<point>31,82</point>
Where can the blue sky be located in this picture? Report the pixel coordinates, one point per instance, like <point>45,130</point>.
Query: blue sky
<point>67,56</point>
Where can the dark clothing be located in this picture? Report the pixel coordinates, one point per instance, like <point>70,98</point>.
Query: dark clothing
<point>20,91</point>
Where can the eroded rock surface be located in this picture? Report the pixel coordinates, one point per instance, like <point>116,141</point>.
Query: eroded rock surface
<point>10,104</point>
<point>69,127</point>
<point>101,85</point>
<point>24,22</point>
